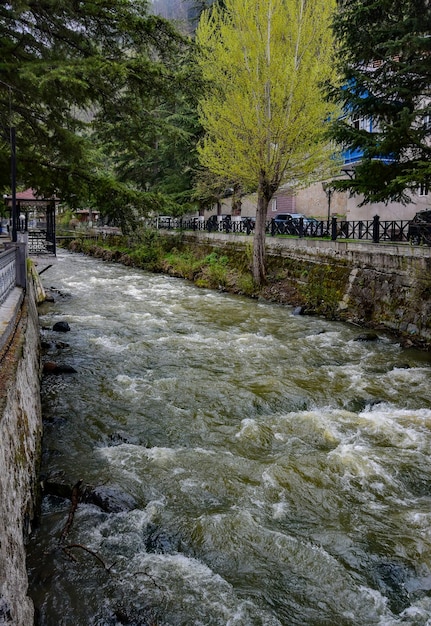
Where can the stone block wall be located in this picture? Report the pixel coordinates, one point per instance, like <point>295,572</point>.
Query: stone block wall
<point>20,446</point>
<point>382,286</point>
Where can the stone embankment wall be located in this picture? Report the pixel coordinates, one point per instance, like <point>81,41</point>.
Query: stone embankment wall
<point>20,446</point>
<point>380,286</point>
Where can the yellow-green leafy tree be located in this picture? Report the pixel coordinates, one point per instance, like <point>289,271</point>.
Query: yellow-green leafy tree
<point>264,109</point>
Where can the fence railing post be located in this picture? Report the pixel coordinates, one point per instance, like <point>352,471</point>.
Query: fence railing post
<point>334,229</point>
<point>376,229</point>
<point>301,227</point>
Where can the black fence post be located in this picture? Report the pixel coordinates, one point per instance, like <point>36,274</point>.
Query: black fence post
<point>301,227</point>
<point>376,229</point>
<point>272,227</point>
<point>334,229</point>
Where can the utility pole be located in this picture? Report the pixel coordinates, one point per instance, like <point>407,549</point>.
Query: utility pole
<point>12,138</point>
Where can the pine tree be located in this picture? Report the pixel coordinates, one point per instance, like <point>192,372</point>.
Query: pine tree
<point>385,65</point>
<point>154,147</point>
<point>263,108</point>
<point>66,65</point>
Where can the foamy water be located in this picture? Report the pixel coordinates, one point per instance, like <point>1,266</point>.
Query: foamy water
<point>279,470</point>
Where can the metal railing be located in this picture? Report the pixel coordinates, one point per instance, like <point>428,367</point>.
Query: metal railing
<point>374,230</point>
<point>13,268</point>
<point>7,273</point>
<point>39,242</point>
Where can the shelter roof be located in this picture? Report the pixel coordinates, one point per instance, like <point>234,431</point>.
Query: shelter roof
<point>28,198</point>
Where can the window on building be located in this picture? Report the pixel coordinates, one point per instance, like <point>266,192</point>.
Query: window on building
<point>427,121</point>
<point>423,189</point>
<point>361,123</point>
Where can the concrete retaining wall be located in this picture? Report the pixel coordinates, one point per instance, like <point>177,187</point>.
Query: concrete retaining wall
<point>20,446</point>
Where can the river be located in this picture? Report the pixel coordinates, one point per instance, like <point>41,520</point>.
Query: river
<point>265,468</point>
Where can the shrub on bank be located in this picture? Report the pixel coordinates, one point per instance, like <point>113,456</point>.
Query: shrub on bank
<point>204,266</point>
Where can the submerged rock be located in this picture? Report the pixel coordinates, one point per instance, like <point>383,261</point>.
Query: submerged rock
<point>50,367</point>
<point>158,542</point>
<point>298,310</point>
<point>61,327</point>
<point>390,578</point>
<point>367,337</point>
<point>109,499</point>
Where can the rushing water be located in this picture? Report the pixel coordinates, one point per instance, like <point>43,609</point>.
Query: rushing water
<point>270,469</point>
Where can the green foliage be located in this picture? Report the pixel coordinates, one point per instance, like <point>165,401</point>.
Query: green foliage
<point>69,68</point>
<point>214,271</point>
<point>151,138</point>
<point>64,219</point>
<point>384,62</point>
<point>214,259</point>
<point>184,264</point>
<point>246,284</point>
<point>263,105</point>
<point>324,287</point>
<point>263,108</point>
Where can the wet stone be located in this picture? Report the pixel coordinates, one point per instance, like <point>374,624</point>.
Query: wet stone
<point>61,327</point>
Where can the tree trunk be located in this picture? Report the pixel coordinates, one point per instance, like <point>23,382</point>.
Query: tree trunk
<point>236,200</point>
<point>259,252</point>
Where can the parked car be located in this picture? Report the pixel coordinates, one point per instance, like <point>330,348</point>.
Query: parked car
<point>419,230</point>
<point>248,222</point>
<point>295,224</point>
<point>286,217</point>
<point>283,217</point>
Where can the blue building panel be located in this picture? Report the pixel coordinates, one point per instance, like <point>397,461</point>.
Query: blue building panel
<point>352,156</point>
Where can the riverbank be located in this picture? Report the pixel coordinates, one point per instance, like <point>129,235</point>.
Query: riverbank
<point>379,288</point>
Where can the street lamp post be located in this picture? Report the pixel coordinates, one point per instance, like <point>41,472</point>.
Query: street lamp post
<point>329,191</point>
